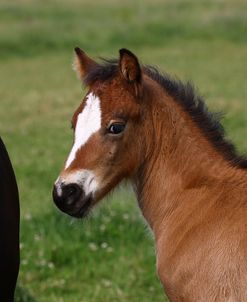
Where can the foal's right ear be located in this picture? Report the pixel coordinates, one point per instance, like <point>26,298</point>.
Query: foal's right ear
<point>82,63</point>
<point>131,70</point>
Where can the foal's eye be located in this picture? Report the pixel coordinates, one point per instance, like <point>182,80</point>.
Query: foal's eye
<point>116,128</point>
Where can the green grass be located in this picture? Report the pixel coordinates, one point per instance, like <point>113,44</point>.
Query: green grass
<point>109,257</point>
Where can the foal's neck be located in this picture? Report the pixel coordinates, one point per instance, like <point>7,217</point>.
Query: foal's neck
<point>179,160</point>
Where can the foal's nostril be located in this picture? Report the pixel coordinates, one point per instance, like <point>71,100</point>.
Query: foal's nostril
<point>66,195</point>
<point>72,190</point>
<point>72,193</point>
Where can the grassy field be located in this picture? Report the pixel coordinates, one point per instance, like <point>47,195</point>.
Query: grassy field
<point>109,257</point>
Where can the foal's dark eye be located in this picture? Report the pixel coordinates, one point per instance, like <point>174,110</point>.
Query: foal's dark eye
<point>116,128</point>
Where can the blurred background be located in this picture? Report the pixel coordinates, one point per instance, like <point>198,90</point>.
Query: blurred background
<point>110,256</point>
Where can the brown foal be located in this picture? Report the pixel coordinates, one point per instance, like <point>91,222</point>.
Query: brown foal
<point>190,184</point>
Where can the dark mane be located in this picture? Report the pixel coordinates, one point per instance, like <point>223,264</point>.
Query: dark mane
<point>191,102</point>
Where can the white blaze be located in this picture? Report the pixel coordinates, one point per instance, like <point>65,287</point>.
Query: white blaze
<point>88,122</point>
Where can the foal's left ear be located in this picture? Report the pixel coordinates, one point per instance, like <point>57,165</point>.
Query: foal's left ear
<point>83,64</point>
<point>131,70</point>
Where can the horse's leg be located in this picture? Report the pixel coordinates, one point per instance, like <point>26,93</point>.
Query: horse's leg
<point>9,228</point>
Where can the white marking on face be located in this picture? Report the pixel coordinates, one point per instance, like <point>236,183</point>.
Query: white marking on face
<point>86,179</point>
<point>88,122</point>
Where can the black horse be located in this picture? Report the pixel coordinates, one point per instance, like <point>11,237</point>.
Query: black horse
<point>9,228</point>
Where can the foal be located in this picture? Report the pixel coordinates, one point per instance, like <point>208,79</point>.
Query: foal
<point>190,184</point>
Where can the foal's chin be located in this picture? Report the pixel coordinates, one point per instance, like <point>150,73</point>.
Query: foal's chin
<point>81,208</point>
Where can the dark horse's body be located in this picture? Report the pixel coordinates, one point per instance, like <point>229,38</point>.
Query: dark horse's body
<point>9,228</point>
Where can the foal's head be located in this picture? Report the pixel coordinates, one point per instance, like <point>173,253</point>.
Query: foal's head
<point>106,133</point>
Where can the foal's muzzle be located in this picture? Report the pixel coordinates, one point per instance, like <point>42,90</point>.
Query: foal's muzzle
<point>71,199</point>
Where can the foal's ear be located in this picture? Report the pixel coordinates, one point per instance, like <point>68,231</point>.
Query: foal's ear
<point>82,63</point>
<point>131,70</point>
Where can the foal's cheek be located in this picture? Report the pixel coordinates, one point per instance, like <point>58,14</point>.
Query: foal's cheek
<point>112,152</point>
<point>109,150</point>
